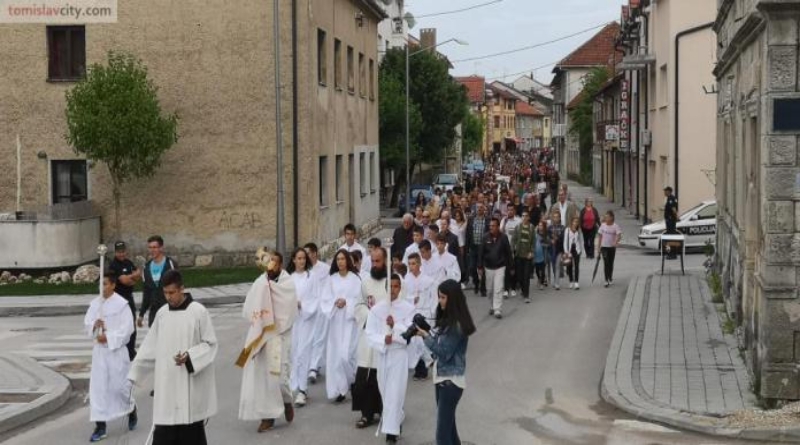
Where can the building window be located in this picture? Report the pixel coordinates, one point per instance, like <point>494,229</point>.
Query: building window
<point>322,57</point>
<point>69,182</point>
<point>372,176</point>
<point>339,195</point>
<point>337,64</point>
<point>362,75</point>
<point>323,181</point>
<point>363,172</point>
<point>66,52</point>
<point>371,79</point>
<point>351,75</point>
<point>497,122</point>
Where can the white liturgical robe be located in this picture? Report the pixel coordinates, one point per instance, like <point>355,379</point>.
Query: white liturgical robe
<point>319,273</point>
<point>304,328</point>
<point>377,289</point>
<point>109,389</point>
<point>343,332</point>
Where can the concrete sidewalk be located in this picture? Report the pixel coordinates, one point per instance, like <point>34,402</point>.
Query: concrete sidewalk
<point>56,305</point>
<point>670,362</point>
<point>28,391</point>
<point>625,219</point>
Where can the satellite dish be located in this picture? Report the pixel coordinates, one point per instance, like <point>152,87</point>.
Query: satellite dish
<point>409,18</point>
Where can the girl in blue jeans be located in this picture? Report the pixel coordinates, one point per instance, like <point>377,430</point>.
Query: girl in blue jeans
<point>448,342</point>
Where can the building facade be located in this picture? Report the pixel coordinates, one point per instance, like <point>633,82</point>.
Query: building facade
<point>669,59</point>
<point>393,30</point>
<point>530,126</point>
<point>502,117</point>
<point>215,194</point>
<point>758,185</point>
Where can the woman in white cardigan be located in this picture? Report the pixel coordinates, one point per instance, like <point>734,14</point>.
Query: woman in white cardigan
<point>573,249</point>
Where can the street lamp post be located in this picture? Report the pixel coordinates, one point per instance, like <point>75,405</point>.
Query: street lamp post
<point>408,99</point>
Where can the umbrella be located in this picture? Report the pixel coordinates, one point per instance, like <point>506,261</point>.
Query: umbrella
<point>596,266</point>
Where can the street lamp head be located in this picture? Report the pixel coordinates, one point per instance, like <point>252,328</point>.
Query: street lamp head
<point>461,42</point>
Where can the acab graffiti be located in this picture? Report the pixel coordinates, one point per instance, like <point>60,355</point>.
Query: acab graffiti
<point>240,220</point>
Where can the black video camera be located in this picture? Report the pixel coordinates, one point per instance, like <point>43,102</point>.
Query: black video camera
<point>419,322</point>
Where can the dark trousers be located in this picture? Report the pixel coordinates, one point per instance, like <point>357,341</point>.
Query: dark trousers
<point>462,265</point>
<point>191,434</point>
<point>132,344</point>
<point>509,280</point>
<point>540,272</point>
<point>609,253</point>
<point>473,270</point>
<point>366,394</point>
<point>588,242</point>
<point>523,266</point>
<point>421,370</point>
<point>447,397</point>
<point>574,269</point>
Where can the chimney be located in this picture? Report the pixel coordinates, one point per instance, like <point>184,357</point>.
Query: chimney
<point>427,38</point>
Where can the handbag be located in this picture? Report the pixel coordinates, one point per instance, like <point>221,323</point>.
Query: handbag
<point>566,259</point>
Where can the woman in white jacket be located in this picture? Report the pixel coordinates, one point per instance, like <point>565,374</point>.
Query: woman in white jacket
<point>573,249</point>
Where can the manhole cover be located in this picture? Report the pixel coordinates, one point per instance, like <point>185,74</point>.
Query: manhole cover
<point>28,329</point>
<point>19,397</point>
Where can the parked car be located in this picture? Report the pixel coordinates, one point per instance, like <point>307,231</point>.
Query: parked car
<point>699,224</point>
<point>416,189</point>
<point>445,181</point>
<point>478,166</point>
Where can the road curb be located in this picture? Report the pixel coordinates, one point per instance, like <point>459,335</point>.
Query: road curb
<point>616,387</point>
<point>81,308</point>
<point>56,390</point>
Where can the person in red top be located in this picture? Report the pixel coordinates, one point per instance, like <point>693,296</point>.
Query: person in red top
<point>590,222</point>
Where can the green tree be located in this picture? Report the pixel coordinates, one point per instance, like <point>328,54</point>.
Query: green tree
<point>582,119</point>
<point>441,102</point>
<point>473,133</point>
<point>114,117</point>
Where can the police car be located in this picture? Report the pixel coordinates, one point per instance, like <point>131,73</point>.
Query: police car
<point>699,224</point>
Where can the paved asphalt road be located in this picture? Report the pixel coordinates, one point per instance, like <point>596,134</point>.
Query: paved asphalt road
<point>532,378</point>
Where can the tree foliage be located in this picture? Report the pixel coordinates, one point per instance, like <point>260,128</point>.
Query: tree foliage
<point>440,101</point>
<point>392,126</point>
<point>114,117</point>
<point>581,118</point>
<point>473,132</point>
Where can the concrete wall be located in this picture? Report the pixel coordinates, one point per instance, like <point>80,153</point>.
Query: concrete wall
<point>48,244</point>
<point>213,65</point>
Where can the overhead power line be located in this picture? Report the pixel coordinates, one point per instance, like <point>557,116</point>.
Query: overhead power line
<point>525,48</point>
<point>435,14</point>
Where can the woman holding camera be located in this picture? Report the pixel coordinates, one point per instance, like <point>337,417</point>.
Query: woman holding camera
<point>448,342</point>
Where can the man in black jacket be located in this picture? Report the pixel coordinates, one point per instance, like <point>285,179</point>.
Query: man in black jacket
<point>127,275</point>
<point>403,236</point>
<point>153,293</point>
<point>494,257</point>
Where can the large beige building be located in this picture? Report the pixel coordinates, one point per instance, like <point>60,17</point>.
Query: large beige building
<point>215,192</point>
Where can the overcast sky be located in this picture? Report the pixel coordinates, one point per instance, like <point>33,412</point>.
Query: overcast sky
<point>512,24</point>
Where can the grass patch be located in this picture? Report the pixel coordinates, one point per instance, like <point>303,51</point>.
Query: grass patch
<point>728,326</point>
<point>715,285</point>
<point>198,277</point>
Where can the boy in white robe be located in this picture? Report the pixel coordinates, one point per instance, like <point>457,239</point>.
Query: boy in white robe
<point>351,245</point>
<point>386,323</point>
<point>419,235</point>
<point>109,322</point>
<point>181,346</point>
<point>339,298</point>
<point>271,308</point>
<point>430,263</point>
<point>448,263</point>
<point>319,271</point>
<point>420,290</point>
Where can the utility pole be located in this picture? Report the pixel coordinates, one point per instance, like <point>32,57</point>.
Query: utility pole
<point>281,229</point>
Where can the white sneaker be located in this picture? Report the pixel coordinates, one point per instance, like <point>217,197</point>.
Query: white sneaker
<point>607,283</point>
<point>571,285</point>
<point>300,399</point>
<point>505,294</point>
<point>513,293</point>
<point>577,286</point>
<point>463,286</point>
<point>312,376</point>
<point>557,286</point>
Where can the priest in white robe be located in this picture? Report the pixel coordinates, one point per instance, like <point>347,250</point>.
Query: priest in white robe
<point>319,272</point>
<point>386,323</point>
<point>304,326</point>
<point>181,346</point>
<point>339,298</point>
<point>422,291</point>
<point>374,290</point>
<point>108,321</point>
<point>271,308</point>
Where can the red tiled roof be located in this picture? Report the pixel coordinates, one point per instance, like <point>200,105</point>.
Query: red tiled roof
<point>575,101</point>
<point>476,88</point>
<point>597,51</point>
<point>502,92</point>
<point>527,110</point>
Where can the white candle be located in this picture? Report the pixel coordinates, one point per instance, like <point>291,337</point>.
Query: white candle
<point>19,173</point>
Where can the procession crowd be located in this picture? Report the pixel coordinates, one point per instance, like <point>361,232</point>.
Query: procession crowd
<point>363,321</point>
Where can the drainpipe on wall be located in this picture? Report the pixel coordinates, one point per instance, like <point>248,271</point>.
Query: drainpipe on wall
<point>646,148</point>
<point>678,92</point>
<point>295,137</point>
